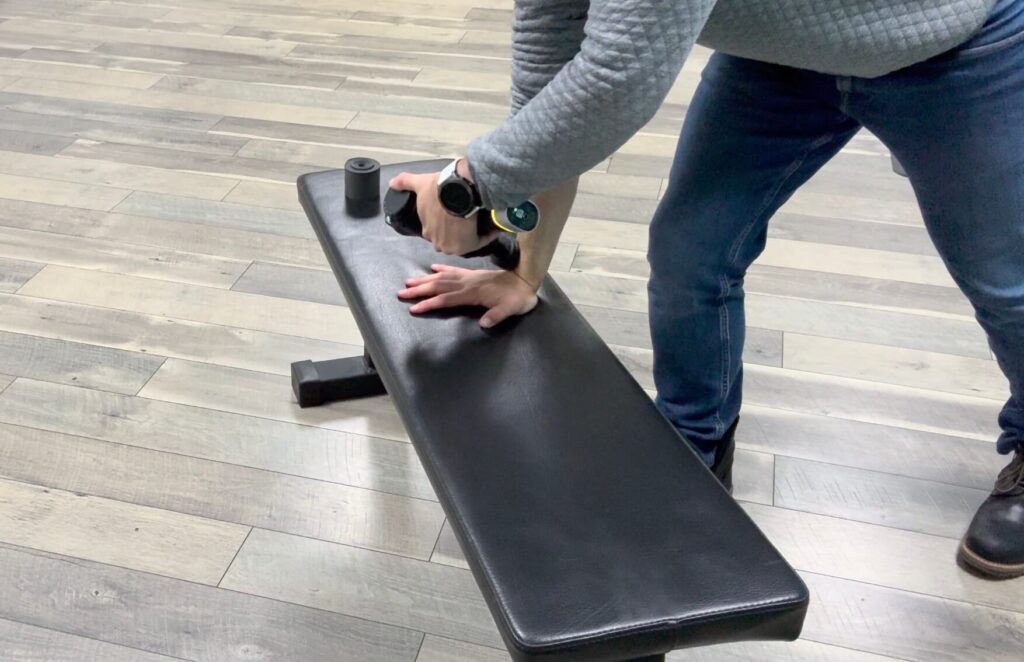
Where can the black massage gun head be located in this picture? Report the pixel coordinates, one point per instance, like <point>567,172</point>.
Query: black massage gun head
<point>362,187</point>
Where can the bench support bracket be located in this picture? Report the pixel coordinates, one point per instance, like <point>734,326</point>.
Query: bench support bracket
<point>319,382</point>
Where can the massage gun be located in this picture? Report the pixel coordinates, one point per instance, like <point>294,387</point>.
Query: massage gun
<point>362,200</point>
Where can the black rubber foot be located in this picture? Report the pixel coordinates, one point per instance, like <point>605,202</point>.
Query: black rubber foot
<point>320,382</point>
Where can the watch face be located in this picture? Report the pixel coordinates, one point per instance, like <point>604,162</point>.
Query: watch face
<point>456,198</point>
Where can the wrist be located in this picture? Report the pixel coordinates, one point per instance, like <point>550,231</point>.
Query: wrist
<point>462,169</point>
<point>530,273</point>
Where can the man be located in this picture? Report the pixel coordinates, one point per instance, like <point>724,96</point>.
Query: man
<point>940,82</point>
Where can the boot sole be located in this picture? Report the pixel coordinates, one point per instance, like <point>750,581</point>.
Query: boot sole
<point>1000,570</point>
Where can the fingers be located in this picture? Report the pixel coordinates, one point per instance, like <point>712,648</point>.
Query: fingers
<point>449,269</point>
<point>496,315</point>
<point>428,289</point>
<point>403,181</point>
<point>447,300</point>
<point>440,271</point>
<point>506,308</point>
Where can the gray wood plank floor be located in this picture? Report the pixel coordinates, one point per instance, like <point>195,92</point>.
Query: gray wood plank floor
<point>162,497</point>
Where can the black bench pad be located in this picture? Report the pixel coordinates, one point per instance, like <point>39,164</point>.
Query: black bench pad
<point>592,529</point>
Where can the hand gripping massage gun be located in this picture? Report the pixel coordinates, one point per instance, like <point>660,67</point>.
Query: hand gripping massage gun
<point>362,200</point>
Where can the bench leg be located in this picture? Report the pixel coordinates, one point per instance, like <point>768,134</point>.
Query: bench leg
<point>319,382</point>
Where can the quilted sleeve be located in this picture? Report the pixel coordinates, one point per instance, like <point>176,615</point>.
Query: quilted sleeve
<point>630,55</point>
<point>546,34</point>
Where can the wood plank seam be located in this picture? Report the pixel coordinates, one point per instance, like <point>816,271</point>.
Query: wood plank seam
<point>83,636</point>
<point>76,561</point>
<point>372,550</point>
<point>224,197</point>
<point>177,319</point>
<point>242,275</point>
<point>233,558</point>
<point>136,394</point>
<point>230,464</point>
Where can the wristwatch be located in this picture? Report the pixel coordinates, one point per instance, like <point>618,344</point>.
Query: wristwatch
<point>458,195</point>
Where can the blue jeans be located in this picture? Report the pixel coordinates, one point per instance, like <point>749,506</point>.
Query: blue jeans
<point>755,132</point>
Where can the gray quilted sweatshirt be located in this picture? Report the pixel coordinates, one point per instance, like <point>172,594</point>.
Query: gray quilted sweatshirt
<point>588,74</point>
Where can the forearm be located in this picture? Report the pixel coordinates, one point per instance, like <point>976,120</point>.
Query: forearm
<point>537,248</point>
<point>627,63</point>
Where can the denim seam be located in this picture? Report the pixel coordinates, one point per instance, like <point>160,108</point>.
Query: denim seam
<point>723,315</point>
<point>988,49</point>
<point>723,321</point>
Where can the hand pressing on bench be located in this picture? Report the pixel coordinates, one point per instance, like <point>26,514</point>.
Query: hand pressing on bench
<point>502,293</point>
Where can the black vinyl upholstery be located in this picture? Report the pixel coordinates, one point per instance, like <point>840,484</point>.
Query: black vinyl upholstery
<point>592,529</point>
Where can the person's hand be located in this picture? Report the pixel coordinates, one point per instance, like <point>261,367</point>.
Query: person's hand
<point>502,293</point>
<point>448,234</point>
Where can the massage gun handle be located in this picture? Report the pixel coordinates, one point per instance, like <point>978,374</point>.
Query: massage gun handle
<point>400,213</point>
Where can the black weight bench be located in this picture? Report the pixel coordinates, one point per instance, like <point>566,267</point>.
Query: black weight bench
<point>594,532</point>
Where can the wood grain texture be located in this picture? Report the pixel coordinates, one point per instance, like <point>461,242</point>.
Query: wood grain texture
<point>5,381</point>
<point>881,556</point>
<point>286,448</point>
<point>883,327</point>
<point>194,303</point>
<point>640,362</point>
<point>448,551</point>
<point>855,208</point>
<point>753,477</point>
<point>302,284</point>
<point>858,290</point>
<point>894,450</point>
<point>320,99</point>
<point>182,619</point>
<point>891,365</point>
<point>164,336</point>
<point>31,143</point>
<point>147,231</point>
<point>327,511</point>
<point>26,643</point>
<point>913,240</point>
<point>323,157</point>
<point>908,626</point>
<point>100,111</point>
<point>268,396</point>
<point>120,258</point>
<point>34,189</point>
<point>53,71</point>
<point>911,504</point>
<point>424,596</point>
<point>65,362</point>
<point>234,167</point>
<point>898,406</point>
<point>15,273</point>
<point>105,173</point>
<point>217,64</point>
<point>266,194</point>
<point>796,651</point>
<point>385,138</point>
<point>439,649</point>
<point>148,539</point>
<point>785,273</point>
<point>227,214</point>
<point>110,33</point>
